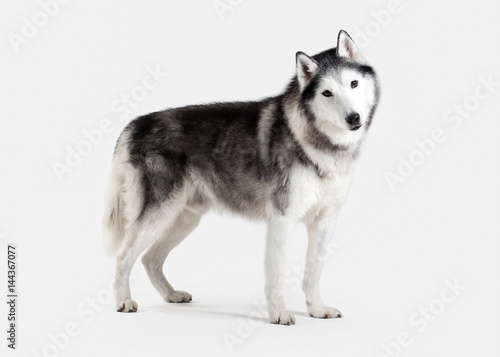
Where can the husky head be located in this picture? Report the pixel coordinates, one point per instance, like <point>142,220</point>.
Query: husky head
<point>338,90</point>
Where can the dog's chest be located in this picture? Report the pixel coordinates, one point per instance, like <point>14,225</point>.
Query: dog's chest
<point>311,193</point>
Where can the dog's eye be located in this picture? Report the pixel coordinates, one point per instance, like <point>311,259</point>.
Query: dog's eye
<point>354,84</point>
<point>327,93</point>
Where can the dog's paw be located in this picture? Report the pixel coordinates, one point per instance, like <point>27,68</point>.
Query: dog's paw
<point>324,312</point>
<point>128,305</point>
<point>282,318</point>
<point>179,296</point>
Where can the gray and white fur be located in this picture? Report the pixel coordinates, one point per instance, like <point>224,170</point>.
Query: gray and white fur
<point>285,159</point>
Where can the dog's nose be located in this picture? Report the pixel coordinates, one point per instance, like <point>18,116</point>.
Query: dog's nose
<point>353,119</point>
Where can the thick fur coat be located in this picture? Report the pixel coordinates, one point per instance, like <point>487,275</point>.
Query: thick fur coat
<point>285,159</point>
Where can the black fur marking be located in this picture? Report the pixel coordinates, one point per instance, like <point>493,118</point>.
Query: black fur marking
<point>281,160</point>
<point>149,154</point>
<point>215,142</point>
<point>309,93</point>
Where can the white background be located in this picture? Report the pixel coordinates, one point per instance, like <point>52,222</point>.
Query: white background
<point>394,250</point>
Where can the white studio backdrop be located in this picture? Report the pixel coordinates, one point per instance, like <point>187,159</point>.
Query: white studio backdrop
<point>414,265</point>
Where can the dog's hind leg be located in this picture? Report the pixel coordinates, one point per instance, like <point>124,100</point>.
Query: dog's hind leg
<point>139,236</point>
<point>154,258</point>
<point>136,241</point>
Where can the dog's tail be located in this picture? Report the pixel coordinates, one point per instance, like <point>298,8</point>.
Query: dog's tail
<point>113,222</point>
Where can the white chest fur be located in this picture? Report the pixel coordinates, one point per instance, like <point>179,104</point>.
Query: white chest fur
<point>311,194</point>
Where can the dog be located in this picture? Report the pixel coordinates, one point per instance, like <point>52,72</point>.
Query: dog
<point>285,159</point>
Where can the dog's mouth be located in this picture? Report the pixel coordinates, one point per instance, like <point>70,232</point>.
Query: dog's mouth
<point>356,127</point>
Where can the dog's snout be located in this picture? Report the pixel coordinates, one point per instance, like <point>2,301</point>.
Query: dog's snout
<point>353,119</point>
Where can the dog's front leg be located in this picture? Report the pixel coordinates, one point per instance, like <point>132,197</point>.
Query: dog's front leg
<point>320,231</point>
<point>279,231</point>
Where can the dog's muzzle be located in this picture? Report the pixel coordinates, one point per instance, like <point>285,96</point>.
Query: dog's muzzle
<point>354,121</point>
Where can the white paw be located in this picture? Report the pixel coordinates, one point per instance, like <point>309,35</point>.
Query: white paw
<point>324,312</point>
<point>179,296</point>
<point>282,318</point>
<point>128,305</point>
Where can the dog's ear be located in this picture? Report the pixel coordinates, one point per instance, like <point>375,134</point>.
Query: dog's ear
<point>347,48</point>
<point>306,67</point>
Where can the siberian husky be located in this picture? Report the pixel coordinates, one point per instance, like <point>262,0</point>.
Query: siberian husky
<point>284,159</point>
